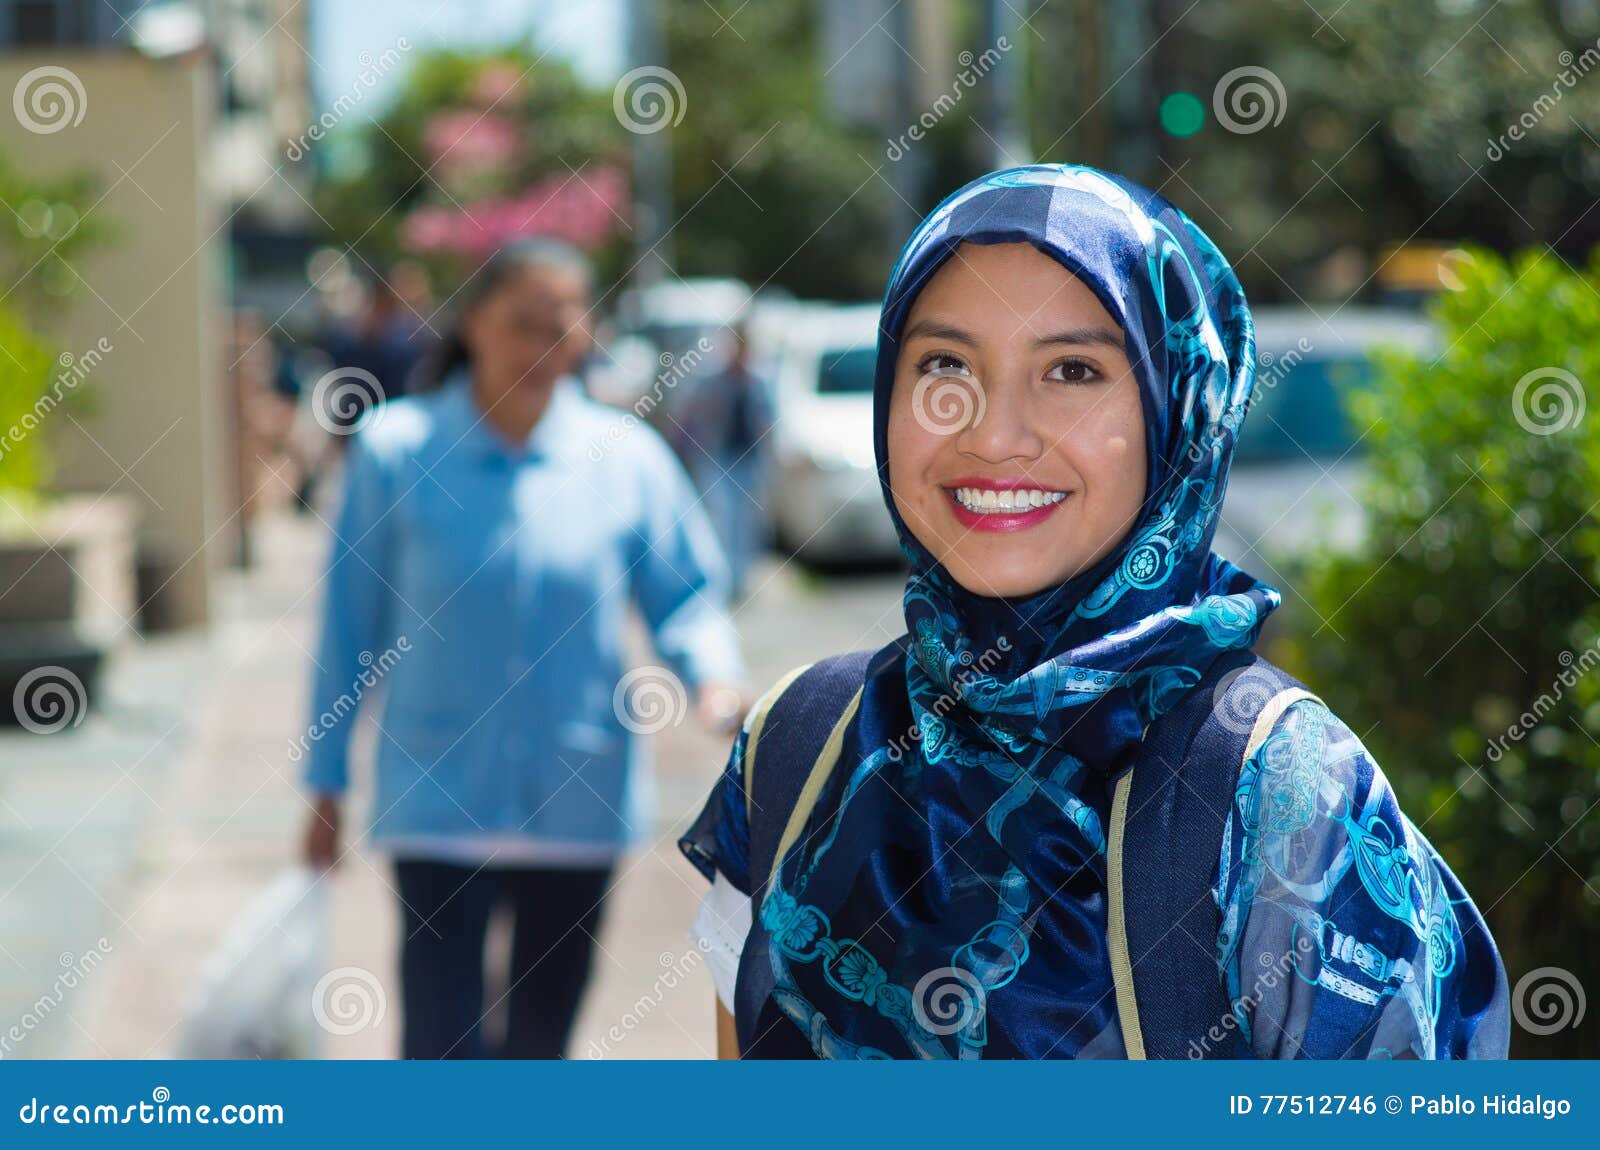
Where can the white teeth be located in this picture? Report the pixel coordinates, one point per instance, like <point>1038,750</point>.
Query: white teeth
<point>985,500</point>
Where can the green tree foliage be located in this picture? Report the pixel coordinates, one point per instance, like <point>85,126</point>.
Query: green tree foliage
<point>1392,123</point>
<point>25,369</point>
<point>52,224</point>
<point>768,188</point>
<point>511,120</point>
<point>1463,641</point>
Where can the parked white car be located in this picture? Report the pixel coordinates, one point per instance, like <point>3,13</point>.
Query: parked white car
<point>827,507</point>
<point>1297,472</point>
<point>667,334</point>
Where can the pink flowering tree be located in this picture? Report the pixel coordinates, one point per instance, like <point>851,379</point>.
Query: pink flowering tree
<point>479,150</point>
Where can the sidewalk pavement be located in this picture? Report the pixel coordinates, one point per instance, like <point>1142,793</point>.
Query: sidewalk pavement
<point>140,836</point>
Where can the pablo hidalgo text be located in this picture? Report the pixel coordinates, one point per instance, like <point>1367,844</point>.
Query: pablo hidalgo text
<point>1494,1105</point>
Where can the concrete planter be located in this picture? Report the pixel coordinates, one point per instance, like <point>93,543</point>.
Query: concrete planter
<point>72,563</point>
<point>67,591</point>
<point>48,675</point>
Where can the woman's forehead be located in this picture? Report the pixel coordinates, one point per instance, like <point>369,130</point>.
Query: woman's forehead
<point>544,284</point>
<point>1008,288</point>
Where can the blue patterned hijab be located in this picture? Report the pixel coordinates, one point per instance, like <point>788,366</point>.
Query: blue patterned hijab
<point>957,851</point>
<point>1083,667</point>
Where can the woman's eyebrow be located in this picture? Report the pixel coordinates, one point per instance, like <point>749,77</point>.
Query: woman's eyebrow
<point>936,329</point>
<point>1077,336</point>
<point>1085,337</point>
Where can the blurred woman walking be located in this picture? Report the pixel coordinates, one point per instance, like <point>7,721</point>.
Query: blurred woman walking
<point>485,558</point>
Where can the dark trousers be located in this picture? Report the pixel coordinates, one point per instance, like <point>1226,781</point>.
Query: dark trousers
<point>445,912</point>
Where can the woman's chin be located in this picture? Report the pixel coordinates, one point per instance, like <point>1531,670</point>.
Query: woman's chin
<point>982,576</point>
<point>535,381</point>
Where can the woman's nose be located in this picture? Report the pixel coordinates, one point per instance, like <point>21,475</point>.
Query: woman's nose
<point>1001,427</point>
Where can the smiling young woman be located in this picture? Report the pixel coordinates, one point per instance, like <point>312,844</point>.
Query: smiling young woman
<point>1061,423</point>
<point>1070,814</point>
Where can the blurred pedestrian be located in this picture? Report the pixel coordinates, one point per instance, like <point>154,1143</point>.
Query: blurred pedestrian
<point>484,561</point>
<point>392,342</point>
<point>380,346</point>
<point>724,436</point>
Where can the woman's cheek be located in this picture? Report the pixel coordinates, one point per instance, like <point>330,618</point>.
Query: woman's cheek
<point>1123,473</point>
<point>1115,451</point>
<point>904,447</point>
<point>910,458</point>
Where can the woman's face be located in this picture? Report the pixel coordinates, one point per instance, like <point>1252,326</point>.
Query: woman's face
<point>530,330</point>
<point>1016,434</point>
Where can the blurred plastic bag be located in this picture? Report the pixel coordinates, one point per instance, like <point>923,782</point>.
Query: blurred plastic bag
<point>255,990</point>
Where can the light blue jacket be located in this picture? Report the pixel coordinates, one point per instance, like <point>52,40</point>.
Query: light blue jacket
<point>486,587</point>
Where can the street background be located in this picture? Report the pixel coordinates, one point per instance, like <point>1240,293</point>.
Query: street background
<point>234,228</point>
<point>161,820</point>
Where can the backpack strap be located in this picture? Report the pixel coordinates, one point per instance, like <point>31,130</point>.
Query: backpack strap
<point>1168,816</point>
<point>792,747</point>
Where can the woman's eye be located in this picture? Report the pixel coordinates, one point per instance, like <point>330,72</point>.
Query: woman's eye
<point>1073,371</point>
<point>942,364</point>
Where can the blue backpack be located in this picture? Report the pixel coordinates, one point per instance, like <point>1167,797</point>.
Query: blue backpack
<point>1163,842</point>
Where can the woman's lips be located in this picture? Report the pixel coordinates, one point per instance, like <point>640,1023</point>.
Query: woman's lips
<point>999,518</point>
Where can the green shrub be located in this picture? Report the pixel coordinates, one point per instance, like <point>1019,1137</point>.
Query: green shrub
<point>54,223</point>
<point>1461,642</point>
<point>25,372</point>
<point>51,227</point>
